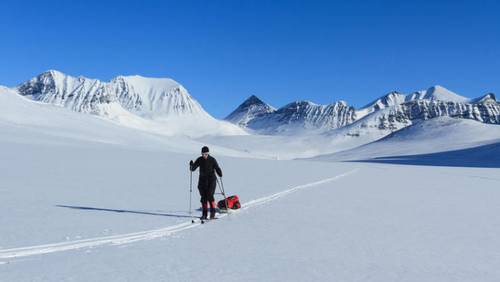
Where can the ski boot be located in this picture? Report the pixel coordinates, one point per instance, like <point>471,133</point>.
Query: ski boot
<point>212,213</point>
<point>204,214</point>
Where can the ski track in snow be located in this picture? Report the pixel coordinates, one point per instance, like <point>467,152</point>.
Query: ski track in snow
<point>148,234</point>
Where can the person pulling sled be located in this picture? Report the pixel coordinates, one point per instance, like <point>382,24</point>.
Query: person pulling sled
<point>207,181</point>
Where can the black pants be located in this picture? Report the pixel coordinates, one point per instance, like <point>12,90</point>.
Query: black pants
<point>206,187</point>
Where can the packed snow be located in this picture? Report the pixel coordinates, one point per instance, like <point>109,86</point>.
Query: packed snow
<point>122,214</point>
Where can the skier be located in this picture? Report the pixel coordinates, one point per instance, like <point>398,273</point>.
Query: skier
<point>207,180</point>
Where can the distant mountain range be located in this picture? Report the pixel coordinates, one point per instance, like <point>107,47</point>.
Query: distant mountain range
<point>390,112</point>
<point>164,100</point>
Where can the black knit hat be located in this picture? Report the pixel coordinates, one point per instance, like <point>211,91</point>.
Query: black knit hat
<point>204,149</point>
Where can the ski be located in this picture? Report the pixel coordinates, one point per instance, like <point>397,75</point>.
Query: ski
<point>203,221</point>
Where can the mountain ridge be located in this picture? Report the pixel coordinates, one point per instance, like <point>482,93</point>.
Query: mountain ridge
<point>248,110</point>
<point>145,96</point>
<point>166,100</point>
<point>434,102</point>
<point>131,100</point>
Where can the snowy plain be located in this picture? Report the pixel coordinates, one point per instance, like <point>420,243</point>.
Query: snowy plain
<point>86,199</point>
<point>436,135</point>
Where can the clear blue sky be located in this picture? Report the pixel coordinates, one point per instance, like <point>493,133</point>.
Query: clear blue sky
<point>281,51</point>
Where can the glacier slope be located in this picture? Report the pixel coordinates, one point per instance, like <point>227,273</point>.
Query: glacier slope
<point>424,137</point>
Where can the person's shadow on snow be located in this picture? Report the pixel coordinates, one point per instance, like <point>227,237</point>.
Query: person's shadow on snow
<point>127,211</point>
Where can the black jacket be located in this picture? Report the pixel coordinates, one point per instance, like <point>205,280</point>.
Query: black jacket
<point>208,167</point>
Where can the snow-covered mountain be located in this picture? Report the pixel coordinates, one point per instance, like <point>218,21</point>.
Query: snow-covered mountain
<point>303,115</point>
<point>388,100</point>
<point>382,116</point>
<point>390,119</point>
<point>148,97</point>
<point>436,92</point>
<point>383,122</point>
<point>248,110</point>
<point>131,100</point>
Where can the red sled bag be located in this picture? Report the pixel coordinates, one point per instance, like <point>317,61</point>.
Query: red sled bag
<point>232,202</point>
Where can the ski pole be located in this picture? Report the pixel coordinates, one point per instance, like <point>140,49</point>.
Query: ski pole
<point>225,196</point>
<point>221,187</point>
<point>190,188</point>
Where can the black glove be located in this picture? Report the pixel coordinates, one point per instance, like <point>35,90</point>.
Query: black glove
<point>191,163</point>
